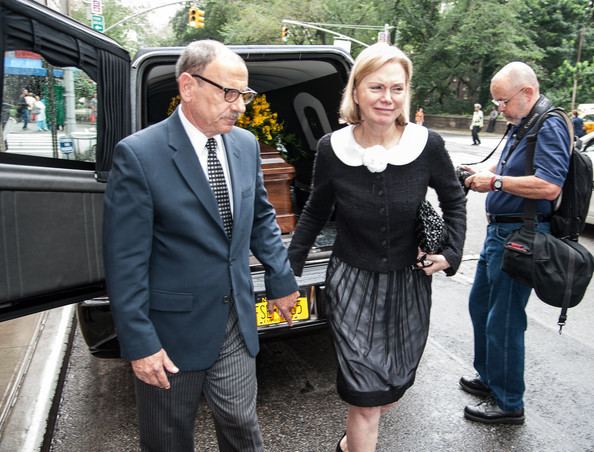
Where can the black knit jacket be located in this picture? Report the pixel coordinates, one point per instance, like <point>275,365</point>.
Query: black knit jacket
<point>376,212</point>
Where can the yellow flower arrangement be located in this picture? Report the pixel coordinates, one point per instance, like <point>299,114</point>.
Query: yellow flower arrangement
<point>173,103</point>
<point>261,121</point>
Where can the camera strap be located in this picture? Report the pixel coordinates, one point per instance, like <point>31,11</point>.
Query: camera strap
<point>541,107</point>
<point>507,129</point>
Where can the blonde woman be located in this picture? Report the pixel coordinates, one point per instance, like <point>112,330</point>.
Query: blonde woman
<point>374,174</point>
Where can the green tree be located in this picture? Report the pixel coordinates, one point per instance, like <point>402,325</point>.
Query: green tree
<point>456,46</point>
<point>132,35</point>
<point>455,66</point>
<point>252,22</point>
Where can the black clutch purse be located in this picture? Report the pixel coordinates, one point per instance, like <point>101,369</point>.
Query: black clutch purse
<point>430,229</point>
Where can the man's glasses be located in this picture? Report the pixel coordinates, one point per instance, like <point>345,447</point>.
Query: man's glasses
<point>503,102</point>
<point>231,94</point>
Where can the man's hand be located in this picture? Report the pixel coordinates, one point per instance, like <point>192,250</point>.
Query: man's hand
<point>284,305</point>
<point>151,369</point>
<point>468,168</point>
<point>480,181</point>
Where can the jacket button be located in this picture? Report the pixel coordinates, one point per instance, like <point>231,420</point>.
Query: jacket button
<point>227,299</point>
<point>383,229</point>
<point>384,243</point>
<point>380,193</point>
<point>384,259</point>
<point>382,211</point>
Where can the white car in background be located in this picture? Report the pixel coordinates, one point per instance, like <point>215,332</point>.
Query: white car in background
<point>588,147</point>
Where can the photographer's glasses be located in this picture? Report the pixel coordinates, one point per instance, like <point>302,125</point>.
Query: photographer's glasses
<point>503,102</point>
<point>231,94</point>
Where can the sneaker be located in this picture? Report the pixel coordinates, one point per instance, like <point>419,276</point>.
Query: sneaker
<point>474,385</point>
<point>488,412</point>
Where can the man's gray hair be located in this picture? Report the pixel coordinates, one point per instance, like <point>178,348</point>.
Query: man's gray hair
<point>518,74</point>
<point>199,54</point>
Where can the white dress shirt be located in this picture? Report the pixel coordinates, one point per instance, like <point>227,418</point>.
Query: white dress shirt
<point>198,140</point>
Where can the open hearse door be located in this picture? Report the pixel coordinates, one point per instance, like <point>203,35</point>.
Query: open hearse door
<point>65,104</point>
<point>69,94</point>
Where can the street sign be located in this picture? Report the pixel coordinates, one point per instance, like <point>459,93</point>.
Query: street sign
<point>96,7</point>
<point>97,22</point>
<point>66,145</point>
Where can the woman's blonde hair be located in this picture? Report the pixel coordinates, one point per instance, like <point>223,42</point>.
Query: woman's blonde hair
<point>369,61</point>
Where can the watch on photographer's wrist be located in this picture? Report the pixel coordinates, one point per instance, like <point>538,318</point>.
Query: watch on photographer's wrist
<point>497,183</point>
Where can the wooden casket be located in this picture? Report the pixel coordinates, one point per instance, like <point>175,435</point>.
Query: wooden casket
<point>278,175</point>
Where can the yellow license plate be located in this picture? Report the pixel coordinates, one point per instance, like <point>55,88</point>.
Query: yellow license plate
<point>299,312</point>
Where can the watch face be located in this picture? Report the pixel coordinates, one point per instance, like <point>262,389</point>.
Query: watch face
<point>498,184</point>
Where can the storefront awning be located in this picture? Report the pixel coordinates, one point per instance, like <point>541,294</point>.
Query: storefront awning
<point>28,66</point>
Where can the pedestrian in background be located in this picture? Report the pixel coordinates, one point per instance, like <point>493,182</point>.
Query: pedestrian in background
<point>419,116</point>
<point>39,110</point>
<point>184,205</point>
<point>476,124</point>
<point>497,302</point>
<point>93,107</point>
<point>578,125</point>
<point>23,110</point>
<point>492,120</point>
<point>373,174</point>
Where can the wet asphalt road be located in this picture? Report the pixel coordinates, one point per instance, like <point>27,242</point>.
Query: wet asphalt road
<point>300,411</point>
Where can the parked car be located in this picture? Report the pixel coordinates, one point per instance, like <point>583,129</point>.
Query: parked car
<point>51,207</point>
<point>586,144</point>
<point>588,122</point>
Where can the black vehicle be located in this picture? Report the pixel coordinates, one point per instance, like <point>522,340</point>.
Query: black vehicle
<point>52,183</point>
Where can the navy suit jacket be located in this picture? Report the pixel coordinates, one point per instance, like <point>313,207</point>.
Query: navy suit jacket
<point>169,265</point>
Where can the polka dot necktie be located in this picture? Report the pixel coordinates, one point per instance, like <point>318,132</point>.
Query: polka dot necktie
<point>216,178</point>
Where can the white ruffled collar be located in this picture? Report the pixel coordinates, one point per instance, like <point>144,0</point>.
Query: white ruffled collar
<point>377,158</point>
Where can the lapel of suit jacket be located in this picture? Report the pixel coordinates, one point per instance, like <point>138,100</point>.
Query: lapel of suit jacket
<point>188,165</point>
<point>232,148</point>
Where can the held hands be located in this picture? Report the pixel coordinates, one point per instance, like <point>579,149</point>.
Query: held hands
<point>284,305</point>
<point>431,263</point>
<point>151,369</point>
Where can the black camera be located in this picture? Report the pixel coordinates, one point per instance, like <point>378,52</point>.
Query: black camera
<point>461,175</point>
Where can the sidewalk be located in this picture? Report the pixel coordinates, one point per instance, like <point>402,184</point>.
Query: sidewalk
<point>16,339</point>
<point>31,352</point>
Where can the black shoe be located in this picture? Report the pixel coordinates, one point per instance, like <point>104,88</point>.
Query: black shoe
<point>488,412</point>
<point>338,448</point>
<point>474,386</point>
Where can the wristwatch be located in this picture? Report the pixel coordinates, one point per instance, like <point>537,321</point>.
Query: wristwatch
<point>497,183</point>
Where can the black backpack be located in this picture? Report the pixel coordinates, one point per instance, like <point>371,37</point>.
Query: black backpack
<point>559,269</point>
<point>571,208</point>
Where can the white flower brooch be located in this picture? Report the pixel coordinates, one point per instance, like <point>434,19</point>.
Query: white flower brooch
<point>375,158</point>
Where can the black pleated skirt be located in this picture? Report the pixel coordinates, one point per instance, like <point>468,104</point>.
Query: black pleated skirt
<point>380,323</point>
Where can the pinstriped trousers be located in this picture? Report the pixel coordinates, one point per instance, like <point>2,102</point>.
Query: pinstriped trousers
<point>166,418</point>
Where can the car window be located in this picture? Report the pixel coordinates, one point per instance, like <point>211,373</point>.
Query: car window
<point>47,111</point>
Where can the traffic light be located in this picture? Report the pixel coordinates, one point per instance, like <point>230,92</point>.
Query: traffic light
<point>285,33</point>
<point>199,18</point>
<point>195,17</point>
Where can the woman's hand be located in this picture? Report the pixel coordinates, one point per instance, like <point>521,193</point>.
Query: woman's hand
<point>431,263</point>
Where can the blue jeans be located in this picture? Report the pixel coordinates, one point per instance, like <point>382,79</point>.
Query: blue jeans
<point>497,308</point>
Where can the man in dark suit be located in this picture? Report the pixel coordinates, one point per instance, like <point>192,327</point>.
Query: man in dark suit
<point>184,206</point>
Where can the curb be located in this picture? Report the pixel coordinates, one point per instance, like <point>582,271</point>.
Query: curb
<point>34,388</point>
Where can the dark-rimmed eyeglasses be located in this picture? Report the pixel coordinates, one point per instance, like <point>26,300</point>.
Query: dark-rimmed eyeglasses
<point>231,94</point>
<point>503,102</point>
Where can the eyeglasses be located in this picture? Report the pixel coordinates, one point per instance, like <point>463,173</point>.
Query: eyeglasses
<point>504,102</point>
<point>231,94</point>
